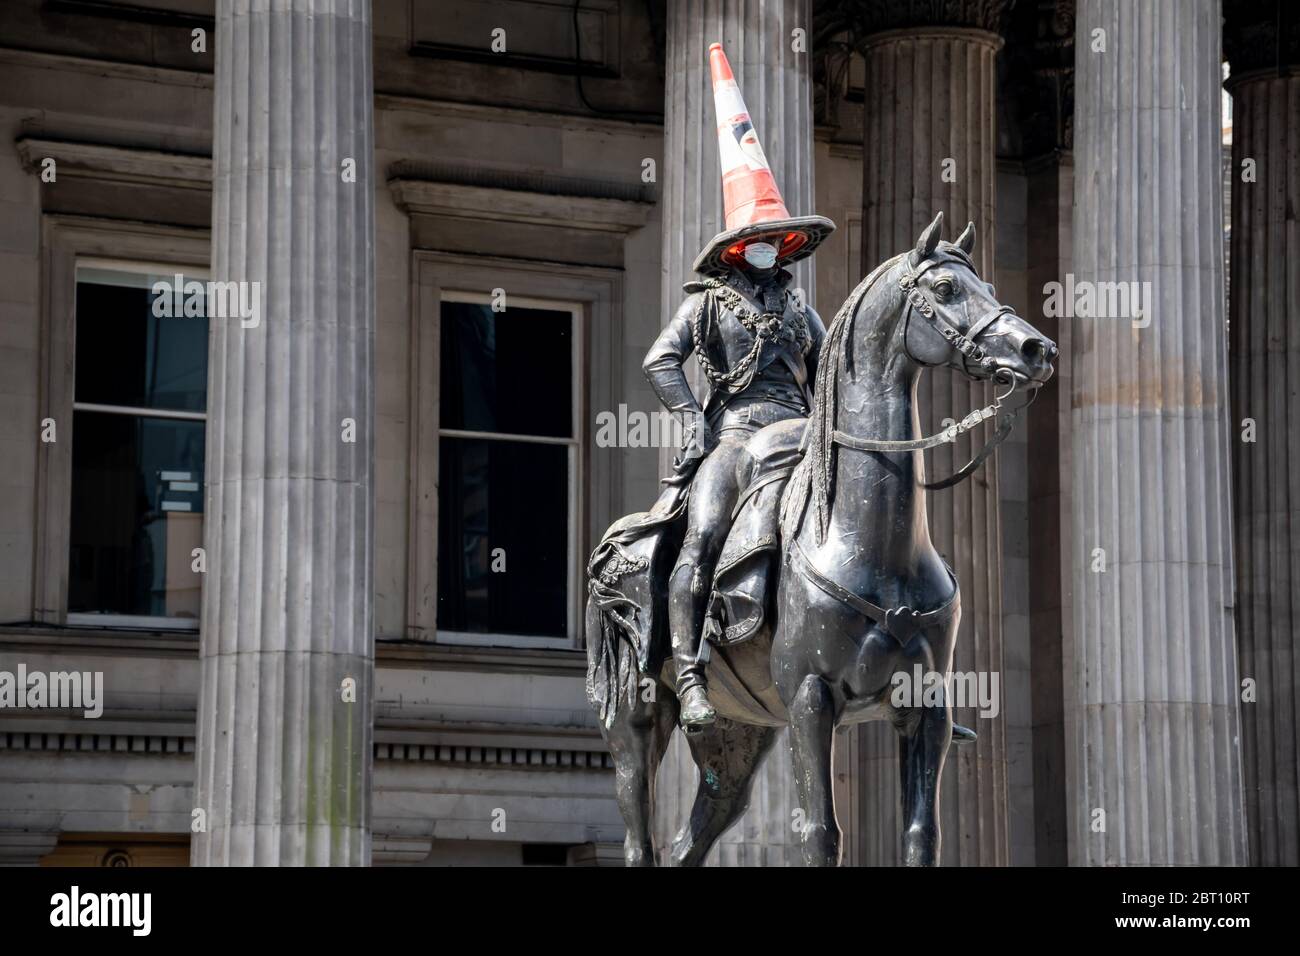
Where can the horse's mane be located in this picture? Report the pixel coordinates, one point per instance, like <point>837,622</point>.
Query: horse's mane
<point>813,481</point>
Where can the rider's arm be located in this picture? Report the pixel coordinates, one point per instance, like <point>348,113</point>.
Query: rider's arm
<point>663,363</point>
<point>817,332</point>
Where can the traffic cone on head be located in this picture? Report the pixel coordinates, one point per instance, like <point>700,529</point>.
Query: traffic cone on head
<point>752,203</point>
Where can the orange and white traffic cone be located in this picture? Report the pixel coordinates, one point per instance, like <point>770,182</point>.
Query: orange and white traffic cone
<point>752,203</point>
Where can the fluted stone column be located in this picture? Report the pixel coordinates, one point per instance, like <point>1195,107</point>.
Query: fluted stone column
<point>928,146</point>
<point>1152,731</point>
<point>284,722</point>
<point>1264,354</point>
<point>776,83</point>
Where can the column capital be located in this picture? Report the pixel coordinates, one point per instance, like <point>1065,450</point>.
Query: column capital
<point>867,17</point>
<point>1260,35</point>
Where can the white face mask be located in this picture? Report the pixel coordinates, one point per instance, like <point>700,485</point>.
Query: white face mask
<point>760,255</point>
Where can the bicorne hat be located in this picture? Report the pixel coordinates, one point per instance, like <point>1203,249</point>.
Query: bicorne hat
<point>755,211</point>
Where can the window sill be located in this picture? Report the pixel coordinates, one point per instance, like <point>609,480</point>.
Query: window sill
<point>391,652</point>
<point>514,641</point>
<point>14,637</point>
<point>132,622</point>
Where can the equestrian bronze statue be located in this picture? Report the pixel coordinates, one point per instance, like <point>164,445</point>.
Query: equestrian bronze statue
<point>786,573</point>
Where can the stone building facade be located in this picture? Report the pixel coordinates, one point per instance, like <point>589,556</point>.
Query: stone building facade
<point>327,552</point>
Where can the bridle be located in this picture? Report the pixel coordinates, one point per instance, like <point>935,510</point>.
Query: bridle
<point>965,343</point>
<point>967,346</point>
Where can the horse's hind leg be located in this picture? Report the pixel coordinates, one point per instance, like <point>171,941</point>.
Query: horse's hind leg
<point>637,739</point>
<point>727,755</point>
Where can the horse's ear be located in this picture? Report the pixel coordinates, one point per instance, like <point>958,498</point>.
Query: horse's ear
<point>929,240</point>
<point>966,241</point>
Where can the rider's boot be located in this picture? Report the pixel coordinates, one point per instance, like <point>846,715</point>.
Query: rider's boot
<point>686,603</point>
<point>696,711</point>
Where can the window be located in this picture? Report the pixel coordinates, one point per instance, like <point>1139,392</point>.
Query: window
<point>138,421</point>
<point>508,454</point>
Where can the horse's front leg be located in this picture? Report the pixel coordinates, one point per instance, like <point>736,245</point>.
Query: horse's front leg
<point>812,726</point>
<point>925,745</point>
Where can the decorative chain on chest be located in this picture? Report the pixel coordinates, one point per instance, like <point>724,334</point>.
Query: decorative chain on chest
<point>772,326</point>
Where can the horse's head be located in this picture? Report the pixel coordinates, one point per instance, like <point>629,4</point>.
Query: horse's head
<point>925,308</point>
<point>953,318</point>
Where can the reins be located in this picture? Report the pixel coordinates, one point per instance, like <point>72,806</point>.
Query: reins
<point>949,434</point>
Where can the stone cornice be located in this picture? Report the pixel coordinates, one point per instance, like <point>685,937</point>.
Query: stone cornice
<point>454,110</point>
<point>501,195</point>
<point>141,13</point>
<point>107,69</point>
<point>501,745</point>
<point>574,748</point>
<point>115,163</point>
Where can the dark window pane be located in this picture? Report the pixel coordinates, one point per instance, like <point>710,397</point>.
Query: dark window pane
<point>508,371</point>
<point>137,513</point>
<point>128,356</point>
<point>511,495</point>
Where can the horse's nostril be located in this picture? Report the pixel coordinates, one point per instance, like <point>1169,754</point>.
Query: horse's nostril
<point>1034,348</point>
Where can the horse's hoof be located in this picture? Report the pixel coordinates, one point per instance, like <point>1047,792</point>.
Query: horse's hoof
<point>921,846</point>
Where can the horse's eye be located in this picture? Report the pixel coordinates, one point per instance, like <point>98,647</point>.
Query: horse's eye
<point>944,288</point>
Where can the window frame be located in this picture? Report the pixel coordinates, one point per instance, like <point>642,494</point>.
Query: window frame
<point>70,242</point>
<point>131,267</point>
<point>574,443</point>
<point>596,483</point>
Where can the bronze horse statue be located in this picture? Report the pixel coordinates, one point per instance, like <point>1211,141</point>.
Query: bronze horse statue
<point>829,584</point>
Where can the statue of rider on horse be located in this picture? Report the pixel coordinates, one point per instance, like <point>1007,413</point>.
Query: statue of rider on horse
<point>788,560</point>
<point>756,342</point>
